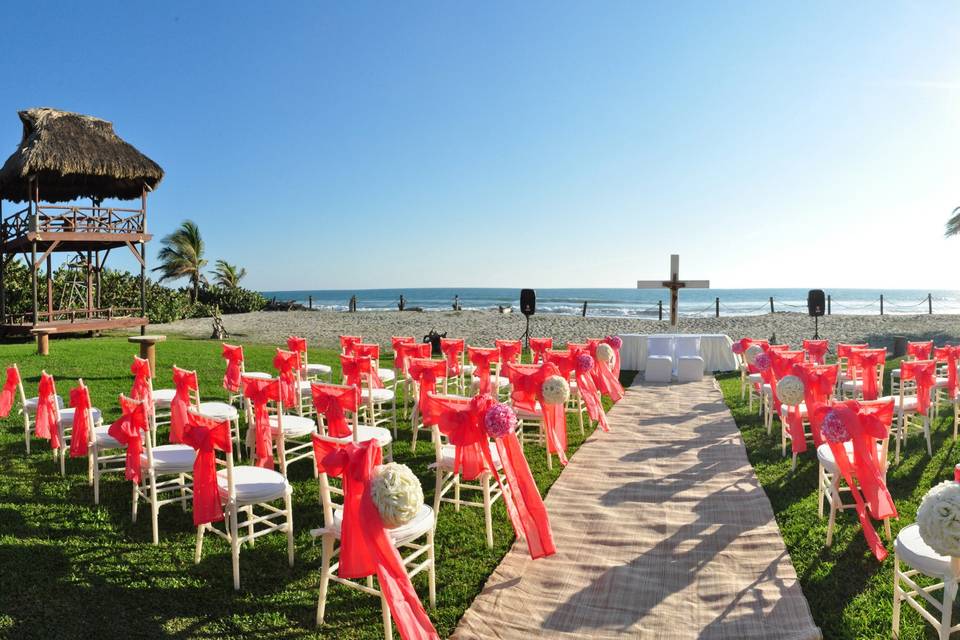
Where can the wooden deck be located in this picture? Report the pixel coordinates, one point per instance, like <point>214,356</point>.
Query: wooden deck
<point>76,326</point>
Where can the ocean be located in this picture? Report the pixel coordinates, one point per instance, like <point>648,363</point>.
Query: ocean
<point>638,303</point>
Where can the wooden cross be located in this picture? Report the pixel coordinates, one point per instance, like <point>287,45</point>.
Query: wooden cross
<point>674,284</point>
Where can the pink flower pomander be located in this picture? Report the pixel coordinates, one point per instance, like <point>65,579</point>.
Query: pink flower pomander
<point>762,362</point>
<point>737,348</point>
<point>584,362</point>
<point>833,428</point>
<point>499,420</point>
<point>614,341</point>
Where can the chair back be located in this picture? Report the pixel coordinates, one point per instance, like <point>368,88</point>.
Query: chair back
<point>348,400</point>
<point>347,342</point>
<point>687,346</point>
<point>660,346</point>
<point>223,454</point>
<point>395,342</point>
<point>538,346</point>
<point>881,408</point>
<point>920,350</point>
<point>510,350</point>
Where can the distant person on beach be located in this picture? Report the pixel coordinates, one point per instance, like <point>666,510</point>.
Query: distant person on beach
<point>403,303</point>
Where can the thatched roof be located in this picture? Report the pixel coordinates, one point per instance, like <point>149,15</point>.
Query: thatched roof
<point>74,156</point>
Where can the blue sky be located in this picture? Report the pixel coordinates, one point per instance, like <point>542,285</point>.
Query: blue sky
<point>553,144</point>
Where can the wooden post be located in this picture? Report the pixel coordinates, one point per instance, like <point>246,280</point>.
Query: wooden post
<point>771,304</point>
<point>930,304</point>
<point>660,308</point>
<point>310,302</point>
<point>50,287</point>
<point>828,304</point>
<point>718,307</point>
<point>584,308</point>
<point>33,279</point>
<point>3,268</point>
<point>99,297</point>
<point>143,265</point>
<point>881,304</point>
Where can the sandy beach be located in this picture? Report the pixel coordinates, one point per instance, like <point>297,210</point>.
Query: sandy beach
<point>321,328</point>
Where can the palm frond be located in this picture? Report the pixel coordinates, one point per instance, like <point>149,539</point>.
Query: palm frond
<point>953,224</point>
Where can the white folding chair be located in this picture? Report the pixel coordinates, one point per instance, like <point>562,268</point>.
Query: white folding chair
<point>909,549</point>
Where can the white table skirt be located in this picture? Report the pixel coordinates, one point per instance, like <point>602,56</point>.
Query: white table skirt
<point>714,349</point>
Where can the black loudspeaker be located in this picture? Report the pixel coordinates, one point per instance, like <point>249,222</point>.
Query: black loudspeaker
<point>816,303</point>
<point>528,302</point>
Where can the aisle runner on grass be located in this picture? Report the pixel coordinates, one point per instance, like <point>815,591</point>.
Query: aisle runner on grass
<point>662,531</point>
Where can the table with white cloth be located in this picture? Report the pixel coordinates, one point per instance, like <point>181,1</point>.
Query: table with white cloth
<point>714,349</point>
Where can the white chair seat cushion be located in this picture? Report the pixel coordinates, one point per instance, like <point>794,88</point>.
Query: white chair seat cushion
<point>386,375</point>
<point>31,404</point>
<point>689,368</point>
<point>315,368</point>
<point>825,455</point>
<point>163,397</point>
<point>448,454</point>
<point>293,426</point>
<point>500,382</point>
<point>785,410</point>
<point>220,410</point>
<point>469,369</point>
<point>252,484</point>
<point>755,378</point>
<point>524,414</point>
<point>259,375</point>
<point>171,458</point>
<point>364,433</point>
<point>421,523</point>
<point>67,415</point>
<point>852,385</point>
<point>914,552</point>
<point>104,439</point>
<point>909,402</point>
<point>941,383</point>
<point>379,395</point>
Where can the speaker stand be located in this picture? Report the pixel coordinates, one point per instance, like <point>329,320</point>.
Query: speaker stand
<point>526,334</point>
<point>816,327</point>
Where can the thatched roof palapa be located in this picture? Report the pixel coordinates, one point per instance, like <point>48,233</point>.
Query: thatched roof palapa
<point>75,156</point>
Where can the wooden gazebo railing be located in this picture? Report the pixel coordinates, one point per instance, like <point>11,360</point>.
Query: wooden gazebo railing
<point>49,218</point>
<point>71,315</point>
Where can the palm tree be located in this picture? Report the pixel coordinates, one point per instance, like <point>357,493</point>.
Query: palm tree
<point>228,275</point>
<point>182,256</point>
<point>953,224</point>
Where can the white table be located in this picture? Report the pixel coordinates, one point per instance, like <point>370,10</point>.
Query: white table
<point>714,349</point>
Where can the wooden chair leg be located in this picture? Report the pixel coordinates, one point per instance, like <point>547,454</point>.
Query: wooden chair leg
<point>387,626</point>
<point>154,509</point>
<point>198,549</point>
<point>136,499</point>
<point>288,506</point>
<point>487,509</point>
<point>456,493</point>
<point>432,570</point>
<point>326,553</point>
<point>234,546</point>
<point>897,597</point>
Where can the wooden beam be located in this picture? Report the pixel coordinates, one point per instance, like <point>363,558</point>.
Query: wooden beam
<point>136,254</point>
<point>46,254</point>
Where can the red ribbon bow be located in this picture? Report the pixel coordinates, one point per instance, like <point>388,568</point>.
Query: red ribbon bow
<point>482,358</point>
<point>365,546</point>
<point>866,423</point>
<point>425,372</point>
<point>80,439</point>
<point>510,350</point>
<point>925,374</point>
<point>462,420</point>
<point>259,392</point>
<point>9,390</point>
<point>206,435</point>
<point>347,342</point>
<point>781,363</point>
<point>403,351</point>
<point>395,342</point>
<point>371,351</point>
<point>128,431</point>
<point>949,354</point>
<point>287,364</point>
<point>526,382</point>
<point>609,341</point>
<point>47,421</point>
<point>816,350</point>
<point>920,350</point>
<point>141,383</point>
<point>452,349</point>
<point>296,343</point>
<point>819,382</point>
<point>234,357</point>
<point>603,376</point>
<point>746,343</point>
<point>184,381</point>
<point>867,362</point>
<point>539,347</point>
<point>330,401</point>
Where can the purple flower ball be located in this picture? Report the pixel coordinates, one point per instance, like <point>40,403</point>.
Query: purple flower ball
<point>584,362</point>
<point>833,428</point>
<point>614,341</point>
<point>499,420</point>
<point>762,362</point>
<point>737,348</point>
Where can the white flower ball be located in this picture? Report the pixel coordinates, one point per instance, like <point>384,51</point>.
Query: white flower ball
<point>751,354</point>
<point>790,390</point>
<point>939,518</point>
<point>397,493</point>
<point>606,353</point>
<point>555,390</point>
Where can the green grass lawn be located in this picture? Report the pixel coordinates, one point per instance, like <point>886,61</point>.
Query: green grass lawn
<point>850,593</point>
<point>69,569</point>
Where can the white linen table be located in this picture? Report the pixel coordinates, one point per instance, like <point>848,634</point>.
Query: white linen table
<point>714,349</point>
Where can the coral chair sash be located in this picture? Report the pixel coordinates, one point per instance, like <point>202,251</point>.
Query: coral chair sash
<point>610,342</point>
<point>260,392</point>
<point>395,342</point>
<point>461,420</point>
<point>590,396</point>
<point>128,431</point>
<point>482,358</point>
<point>920,350</point>
<point>510,350</point>
<point>452,349</point>
<point>403,352</point>
<point>206,435</point>
<point>371,351</point>
<point>365,546</point>
<point>184,382</point>
<point>924,372</point>
<point>331,401</point>
<point>538,346</point>
<point>233,354</point>
<point>868,363</point>
<point>354,369</point>
<point>949,354</point>
<point>425,372</point>
<point>47,422</point>
<point>526,382</point>
<point>347,342</point>
<point>80,438</point>
<point>866,423</point>
<point>816,350</point>
<point>287,364</point>
<point>141,383</point>
<point>603,376</point>
<point>296,343</point>
<point>781,364</point>
<point>746,343</point>
<point>8,393</point>
<point>819,382</point>
<point>563,359</point>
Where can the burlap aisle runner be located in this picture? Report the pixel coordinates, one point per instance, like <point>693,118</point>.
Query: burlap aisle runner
<point>662,531</point>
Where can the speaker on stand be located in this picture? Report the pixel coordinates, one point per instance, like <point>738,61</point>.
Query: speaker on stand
<point>816,306</point>
<point>528,306</point>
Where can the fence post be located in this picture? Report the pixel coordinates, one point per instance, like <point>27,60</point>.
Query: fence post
<point>718,307</point>
<point>828,304</point>
<point>584,308</point>
<point>660,308</point>
<point>881,304</point>
<point>310,301</point>
<point>930,304</point>
<point>771,304</point>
